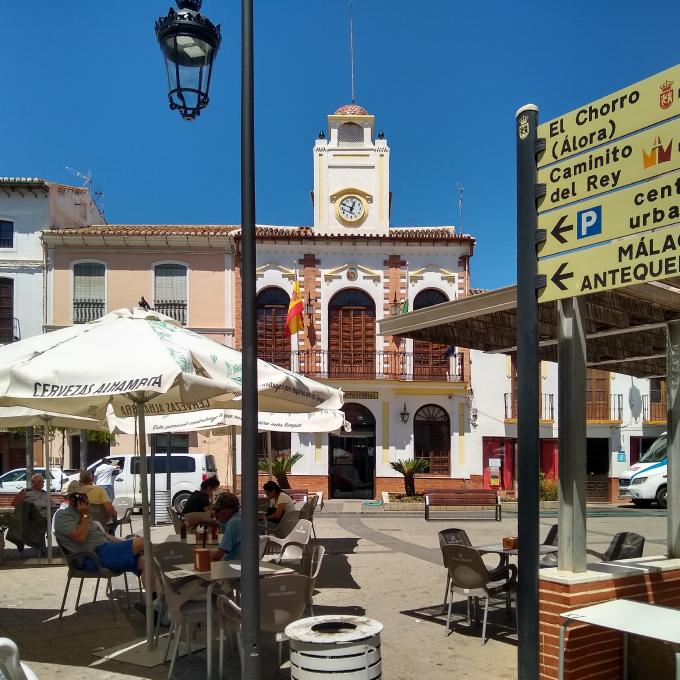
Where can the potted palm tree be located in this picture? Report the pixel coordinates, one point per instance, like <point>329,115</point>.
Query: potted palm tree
<point>280,467</point>
<point>410,467</point>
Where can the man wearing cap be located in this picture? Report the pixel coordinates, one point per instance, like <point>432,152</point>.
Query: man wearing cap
<point>77,532</point>
<point>226,509</point>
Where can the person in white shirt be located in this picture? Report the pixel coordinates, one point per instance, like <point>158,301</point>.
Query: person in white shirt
<point>279,503</point>
<point>104,476</point>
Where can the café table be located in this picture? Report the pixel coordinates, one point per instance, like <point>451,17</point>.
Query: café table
<point>221,571</point>
<point>506,553</point>
<point>192,540</point>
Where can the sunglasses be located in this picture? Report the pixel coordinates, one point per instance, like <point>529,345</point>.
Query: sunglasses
<point>80,498</point>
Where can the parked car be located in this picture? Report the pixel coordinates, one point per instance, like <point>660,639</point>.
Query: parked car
<point>647,480</point>
<point>188,470</point>
<point>15,480</point>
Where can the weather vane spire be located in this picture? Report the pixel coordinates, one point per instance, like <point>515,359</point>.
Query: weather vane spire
<point>351,47</point>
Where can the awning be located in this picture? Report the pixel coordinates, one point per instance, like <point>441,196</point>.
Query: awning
<point>625,328</point>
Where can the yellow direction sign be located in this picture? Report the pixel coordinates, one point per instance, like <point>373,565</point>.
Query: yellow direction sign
<point>632,108</point>
<point>639,208</point>
<point>642,156</point>
<point>652,256</point>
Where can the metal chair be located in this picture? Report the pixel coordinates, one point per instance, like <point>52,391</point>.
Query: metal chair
<point>471,578</point>
<point>624,545</point>
<point>124,507</point>
<point>283,599</point>
<point>74,560</point>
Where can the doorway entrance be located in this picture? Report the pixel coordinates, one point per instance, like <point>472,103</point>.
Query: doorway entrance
<point>351,462</point>
<point>597,470</point>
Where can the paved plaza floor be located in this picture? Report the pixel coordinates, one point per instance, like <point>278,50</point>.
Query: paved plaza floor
<point>385,566</point>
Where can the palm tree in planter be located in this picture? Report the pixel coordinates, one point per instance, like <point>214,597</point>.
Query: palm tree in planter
<point>410,468</point>
<point>280,467</point>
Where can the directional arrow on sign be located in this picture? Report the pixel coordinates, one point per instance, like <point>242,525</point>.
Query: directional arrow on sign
<point>559,276</point>
<point>560,228</point>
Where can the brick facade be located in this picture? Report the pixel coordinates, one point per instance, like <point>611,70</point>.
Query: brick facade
<point>394,286</point>
<point>238,325</point>
<point>311,287</point>
<point>593,653</point>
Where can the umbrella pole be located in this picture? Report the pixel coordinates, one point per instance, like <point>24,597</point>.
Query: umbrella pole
<point>269,453</point>
<point>48,485</point>
<point>146,525</point>
<point>29,452</point>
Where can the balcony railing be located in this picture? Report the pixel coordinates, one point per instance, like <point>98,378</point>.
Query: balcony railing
<point>176,309</point>
<point>7,335</point>
<point>369,365</point>
<point>604,406</point>
<point>547,406</point>
<point>85,310</point>
<point>655,411</point>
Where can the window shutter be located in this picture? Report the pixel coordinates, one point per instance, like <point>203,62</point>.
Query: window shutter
<point>88,281</point>
<point>170,283</point>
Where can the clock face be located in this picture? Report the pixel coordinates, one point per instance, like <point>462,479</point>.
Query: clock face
<point>351,208</point>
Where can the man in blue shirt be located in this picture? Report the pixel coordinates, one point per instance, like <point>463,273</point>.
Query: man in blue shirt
<point>226,509</point>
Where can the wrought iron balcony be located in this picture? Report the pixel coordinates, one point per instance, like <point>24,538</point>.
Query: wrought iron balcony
<point>407,366</point>
<point>8,334</point>
<point>176,309</point>
<point>604,406</point>
<point>85,310</point>
<point>547,406</point>
<point>654,411</point>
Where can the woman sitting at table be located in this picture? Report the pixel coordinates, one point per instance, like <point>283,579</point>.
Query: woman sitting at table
<point>279,503</point>
<point>227,512</point>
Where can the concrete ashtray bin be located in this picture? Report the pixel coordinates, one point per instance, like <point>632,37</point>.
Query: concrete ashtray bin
<point>344,647</point>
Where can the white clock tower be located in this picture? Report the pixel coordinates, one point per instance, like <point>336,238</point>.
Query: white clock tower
<point>351,176</point>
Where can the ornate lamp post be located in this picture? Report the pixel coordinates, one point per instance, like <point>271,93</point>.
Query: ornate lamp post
<point>189,43</point>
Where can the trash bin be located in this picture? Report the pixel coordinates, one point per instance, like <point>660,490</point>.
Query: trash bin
<point>323,646</point>
<point>162,501</point>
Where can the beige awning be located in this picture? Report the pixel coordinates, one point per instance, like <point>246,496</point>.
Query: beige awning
<point>625,328</point>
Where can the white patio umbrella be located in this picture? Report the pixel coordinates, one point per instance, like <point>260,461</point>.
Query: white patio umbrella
<point>323,420</point>
<point>143,363</point>
<point>20,416</point>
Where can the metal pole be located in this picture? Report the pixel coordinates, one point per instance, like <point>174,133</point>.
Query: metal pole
<point>152,476</point>
<point>30,456</point>
<point>146,524</point>
<point>83,449</point>
<point>528,445</point>
<point>673,429</point>
<point>168,468</point>
<point>571,417</point>
<point>250,587</point>
<point>48,484</point>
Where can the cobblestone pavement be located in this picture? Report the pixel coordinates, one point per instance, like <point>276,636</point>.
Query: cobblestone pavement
<point>385,566</point>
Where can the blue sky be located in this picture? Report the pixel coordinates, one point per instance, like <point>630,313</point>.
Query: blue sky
<point>84,86</point>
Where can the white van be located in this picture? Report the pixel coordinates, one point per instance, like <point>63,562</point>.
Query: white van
<point>646,481</point>
<point>188,470</point>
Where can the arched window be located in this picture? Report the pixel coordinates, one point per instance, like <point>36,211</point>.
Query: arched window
<point>272,344</point>
<point>351,335</point>
<point>170,291</point>
<point>432,438</point>
<point>89,292</point>
<point>350,135</point>
<point>430,359</point>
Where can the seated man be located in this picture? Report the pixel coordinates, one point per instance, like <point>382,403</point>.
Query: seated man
<point>36,495</point>
<point>227,513</point>
<point>279,503</point>
<point>197,508</point>
<point>101,508</point>
<point>77,532</point>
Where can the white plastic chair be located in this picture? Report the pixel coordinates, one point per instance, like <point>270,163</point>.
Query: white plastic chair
<point>291,549</point>
<point>314,569</point>
<point>124,507</point>
<point>10,665</point>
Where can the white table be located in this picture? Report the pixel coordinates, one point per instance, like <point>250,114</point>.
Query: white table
<point>221,571</point>
<point>631,618</point>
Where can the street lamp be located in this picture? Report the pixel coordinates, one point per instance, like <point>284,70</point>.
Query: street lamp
<point>190,41</point>
<point>394,306</point>
<point>404,414</point>
<point>309,305</point>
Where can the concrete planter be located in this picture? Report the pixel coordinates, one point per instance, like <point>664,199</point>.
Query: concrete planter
<point>404,507</point>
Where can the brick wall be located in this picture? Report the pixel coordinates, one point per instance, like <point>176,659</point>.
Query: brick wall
<point>237,301</point>
<point>394,284</point>
<point>311,283</point>
<point>393,484</point>
<point>593,653</point>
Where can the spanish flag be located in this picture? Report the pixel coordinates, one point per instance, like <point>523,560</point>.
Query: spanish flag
<point>294,322</point>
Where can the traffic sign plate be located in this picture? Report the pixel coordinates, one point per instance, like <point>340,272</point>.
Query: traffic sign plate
<point>651,256</point>
<point>644,103</point>
<point>638,157</point>
<point>641,207</point>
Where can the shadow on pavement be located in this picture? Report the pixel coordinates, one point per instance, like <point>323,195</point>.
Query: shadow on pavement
<point>499,626</point>
<point>336,571</point>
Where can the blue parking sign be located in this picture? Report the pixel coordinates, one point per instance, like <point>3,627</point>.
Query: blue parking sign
<point>589,222</point>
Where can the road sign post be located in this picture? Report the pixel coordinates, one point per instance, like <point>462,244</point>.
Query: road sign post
<point>528,462</point>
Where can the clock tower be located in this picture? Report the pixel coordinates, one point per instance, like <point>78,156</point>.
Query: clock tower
<point>351,176</point>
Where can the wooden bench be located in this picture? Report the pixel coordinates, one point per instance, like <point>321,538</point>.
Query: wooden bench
<point>462,497</point>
